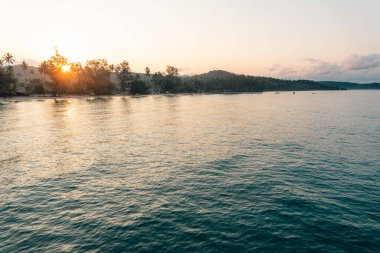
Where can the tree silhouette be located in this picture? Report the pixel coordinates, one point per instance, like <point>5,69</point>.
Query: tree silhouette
<point>8,59</point>
<point>97,74</point>
<point>147,71</point>
<point>171,71</point>
<point>123,72</point>
<point>77,73</point>
<point>7,79</point>
<point>24,67</point>
<point>43,68</point>
<point>54,70</point>
<point>172,80</point>
<point>138,87</point>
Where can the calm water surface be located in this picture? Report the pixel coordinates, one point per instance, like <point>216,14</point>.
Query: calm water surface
<point>205,173</point>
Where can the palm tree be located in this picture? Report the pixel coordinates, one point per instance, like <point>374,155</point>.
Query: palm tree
<point>24,67</point>
<point>123,71</point>
<point>10,82</point>
<point>147,71</point>
<point>8,59</point>
<point>43,69</point>
<point>149,82</point>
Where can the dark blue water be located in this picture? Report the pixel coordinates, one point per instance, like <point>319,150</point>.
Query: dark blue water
<point>208,173</point>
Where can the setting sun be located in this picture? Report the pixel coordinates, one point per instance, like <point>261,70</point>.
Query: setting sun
<point>66,68</point>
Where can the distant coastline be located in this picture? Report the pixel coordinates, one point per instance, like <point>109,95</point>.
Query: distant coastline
<point>57,77</point>
<point>17,99</point>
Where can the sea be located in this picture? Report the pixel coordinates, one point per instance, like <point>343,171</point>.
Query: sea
<point>270,172</point>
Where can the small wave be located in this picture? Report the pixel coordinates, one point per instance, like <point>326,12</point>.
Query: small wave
<point>10,159</point>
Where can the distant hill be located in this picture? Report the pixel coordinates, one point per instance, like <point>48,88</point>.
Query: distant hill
<point>279,84</point>
<point>353,86</point>
<point>215,74</point>
<point>30,74</point>
<point>223,81</point>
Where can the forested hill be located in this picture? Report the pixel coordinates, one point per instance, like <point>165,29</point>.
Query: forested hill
<point>353,86</point>
<point>222,81</point>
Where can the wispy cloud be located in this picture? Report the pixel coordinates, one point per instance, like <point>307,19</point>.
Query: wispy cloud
<point>354,68</point>
<point>274,67</point>
<point>361,62</point>
<point>319,67</point>
<point>283,71</point>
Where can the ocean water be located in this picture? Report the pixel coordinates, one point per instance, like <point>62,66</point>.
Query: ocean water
<point>192,173</point>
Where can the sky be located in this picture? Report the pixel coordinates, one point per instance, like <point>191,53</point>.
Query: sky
<point>292,39</point>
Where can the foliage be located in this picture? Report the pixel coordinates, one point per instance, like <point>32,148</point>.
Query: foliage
<point>242,83</point>
<point>168,82</point>
<point>147,71</point>
<point>77,83</point>
<point>54,70</point>
<point>35,87</point>
<point>138,87</point>
<point>43,68</point>
<point>24,66</point>
<point>7,78</point>
<point>39,89</point>
<point>97,77</point>
<point>123,72</point>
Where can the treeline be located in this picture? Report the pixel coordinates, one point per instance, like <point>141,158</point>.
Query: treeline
<point>92,78</point>
<point>95,78</point>
<point>353,86</point>
<point>228,82</point>
<point>98,77</point>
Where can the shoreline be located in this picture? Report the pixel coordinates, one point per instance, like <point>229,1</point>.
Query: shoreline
<point>49,97</point>
<point>17,99</point>
<point>36,97</point>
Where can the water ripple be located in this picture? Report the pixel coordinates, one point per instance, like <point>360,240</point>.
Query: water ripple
<point>238,173</point>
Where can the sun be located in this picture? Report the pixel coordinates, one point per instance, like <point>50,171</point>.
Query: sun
<point>66,68</point>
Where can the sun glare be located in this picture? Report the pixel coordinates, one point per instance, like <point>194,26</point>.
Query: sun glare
<point>66,68</point>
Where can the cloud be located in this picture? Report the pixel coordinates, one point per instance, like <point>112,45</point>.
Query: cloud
<point>319,67</point>
<point>287,71</point>
<point>356,68</point>
<point>283,71</point>
<point>361,62</point>
<point>312,60</point>
<point>275,67</point>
